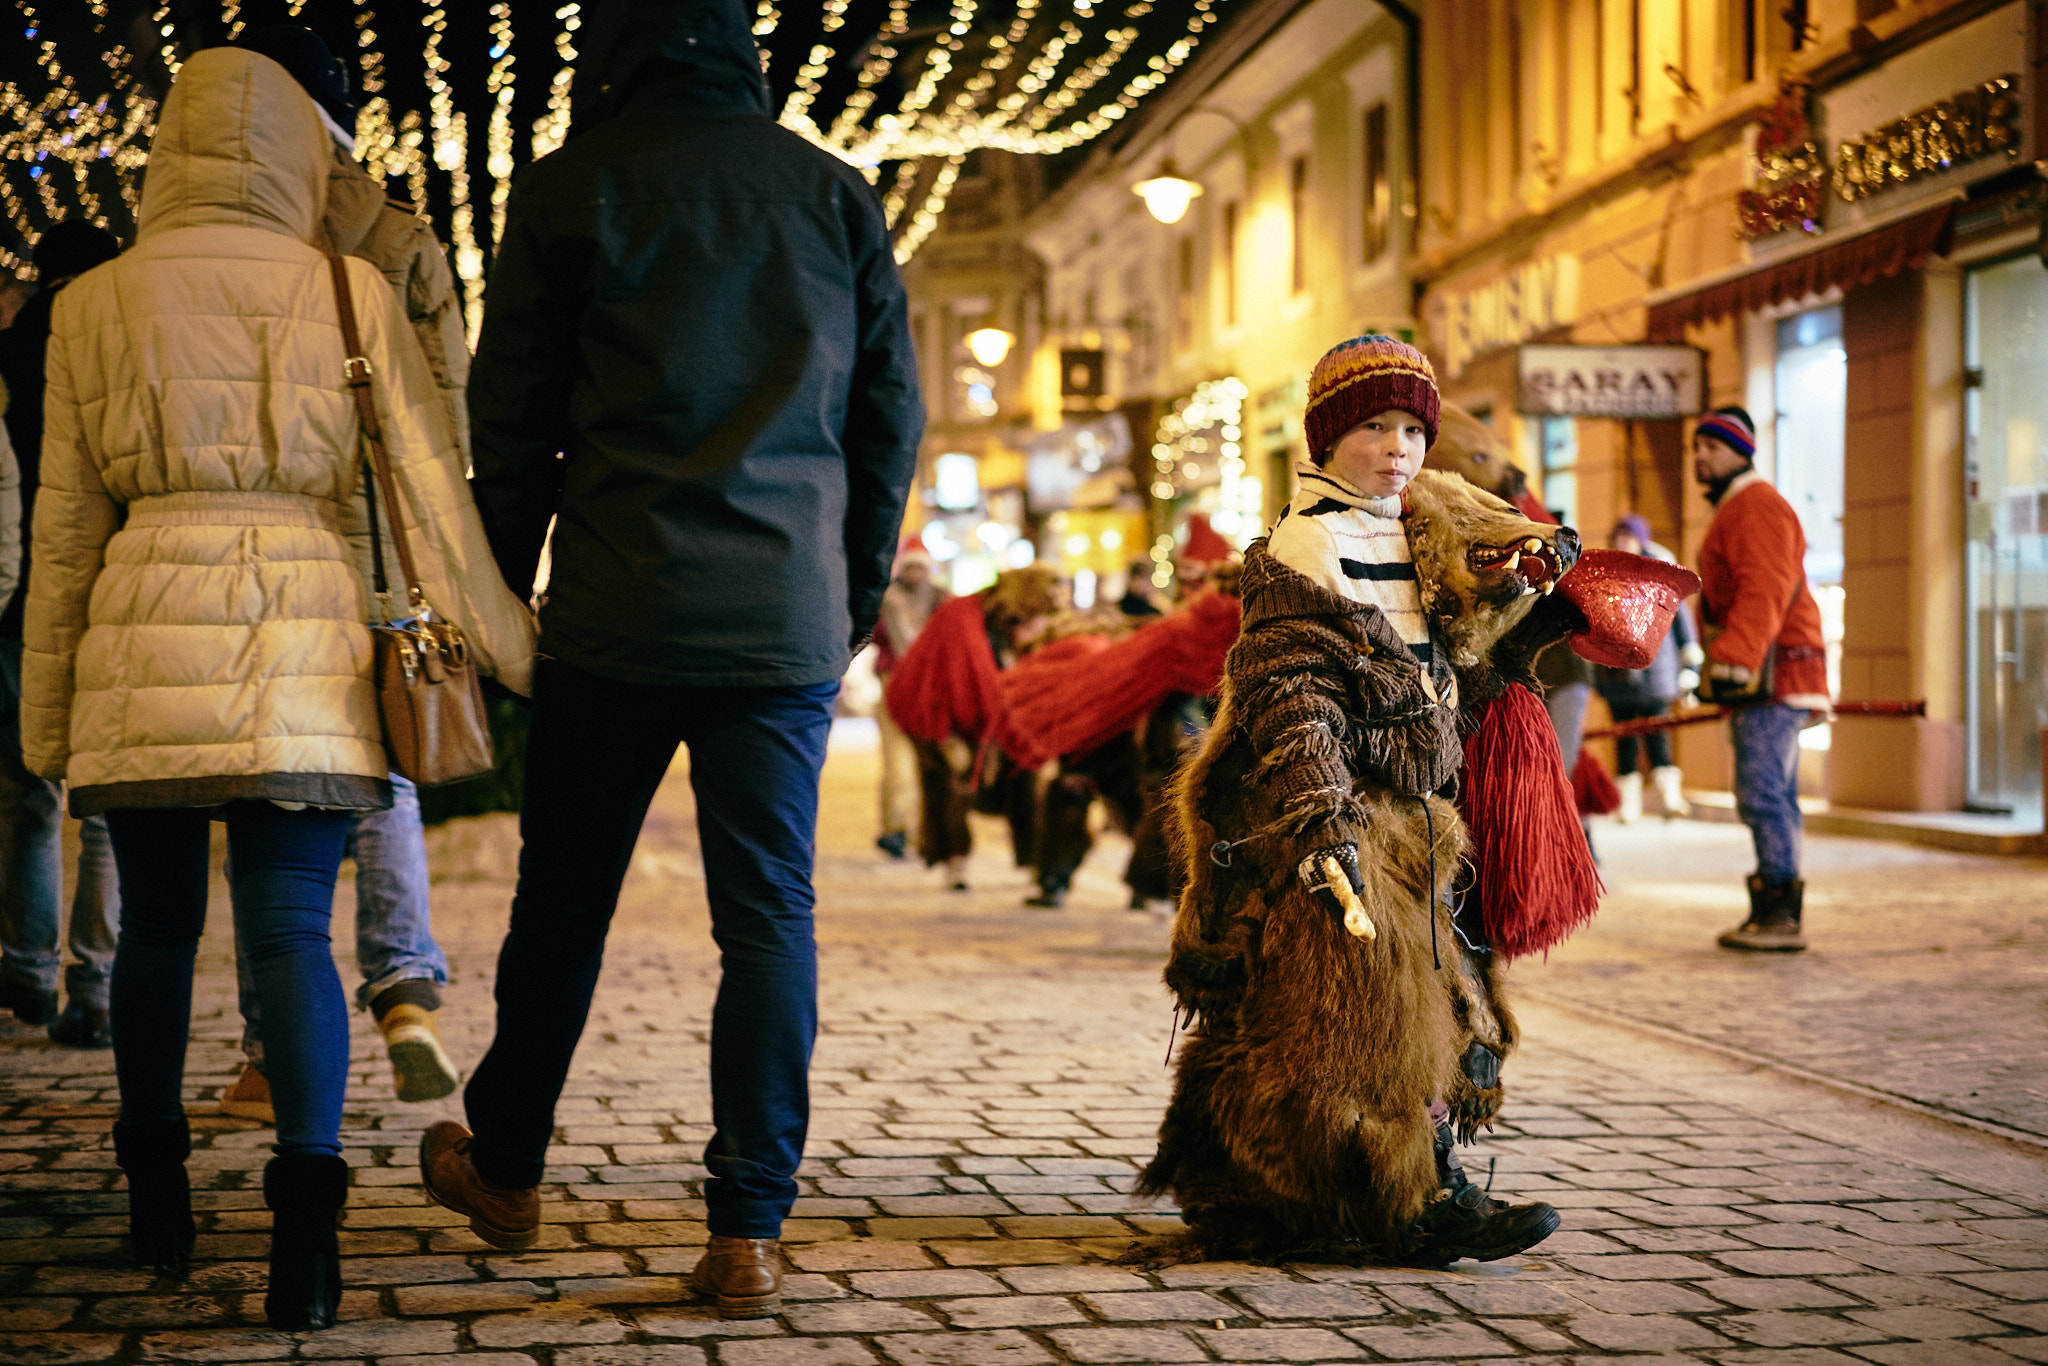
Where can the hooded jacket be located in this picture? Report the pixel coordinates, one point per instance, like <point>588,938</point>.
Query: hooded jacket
<point>196,615</point>
<point>392,236</point>
<point>700,311</point>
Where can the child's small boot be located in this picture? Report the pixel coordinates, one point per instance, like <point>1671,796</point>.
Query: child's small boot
<point>1631,809</point>
<point>1671,792</point>
<point>305,1192</point>
<point>152,1155</point>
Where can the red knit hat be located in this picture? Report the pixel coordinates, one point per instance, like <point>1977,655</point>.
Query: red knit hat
<point>1204,545</point>
<point>1363,378</point>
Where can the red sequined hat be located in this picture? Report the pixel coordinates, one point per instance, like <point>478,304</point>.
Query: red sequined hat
<point>1628,601</point>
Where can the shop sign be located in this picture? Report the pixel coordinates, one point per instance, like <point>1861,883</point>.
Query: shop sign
<point>1529,299</point>
<point>1972,123</point>
<point>1612,381</point>
<point>1081,373</point>
<point>1929,115</point>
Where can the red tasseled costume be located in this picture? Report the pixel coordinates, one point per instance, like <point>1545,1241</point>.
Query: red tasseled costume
<point>1534,871</point>
<point>1593,789</point>
<point>1069,703</point>
<point>948,683</point>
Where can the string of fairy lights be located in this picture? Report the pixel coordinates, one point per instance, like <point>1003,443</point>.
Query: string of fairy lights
<point>1037,82</point>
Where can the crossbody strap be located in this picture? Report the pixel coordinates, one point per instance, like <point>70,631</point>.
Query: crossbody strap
<point>355,369</point>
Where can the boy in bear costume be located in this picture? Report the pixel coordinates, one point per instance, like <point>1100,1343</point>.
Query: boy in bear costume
<point>1331,946</point>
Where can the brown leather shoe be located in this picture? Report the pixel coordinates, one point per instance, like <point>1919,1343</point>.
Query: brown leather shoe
<point>500,1215</point>
<point>744,1275</point>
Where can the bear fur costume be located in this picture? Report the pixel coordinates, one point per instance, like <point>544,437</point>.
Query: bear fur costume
<point>1299,1121</point>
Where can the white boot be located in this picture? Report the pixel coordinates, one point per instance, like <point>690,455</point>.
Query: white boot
<point>1631,809</point>
<point>1669,793</point>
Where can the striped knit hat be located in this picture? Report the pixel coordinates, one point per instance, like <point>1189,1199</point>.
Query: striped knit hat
<point>1732,428</point>
<point>1363,378</point>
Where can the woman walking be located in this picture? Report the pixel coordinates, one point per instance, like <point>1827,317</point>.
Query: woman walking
<point>196,642</point>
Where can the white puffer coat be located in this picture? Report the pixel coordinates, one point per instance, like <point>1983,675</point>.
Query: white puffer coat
<point>195,630</point>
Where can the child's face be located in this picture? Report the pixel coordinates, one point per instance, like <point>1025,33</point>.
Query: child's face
<point>1381,454</point>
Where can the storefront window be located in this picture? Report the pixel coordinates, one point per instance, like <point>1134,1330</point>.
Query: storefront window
<point>2005,475</point>
<point>1557,444</point>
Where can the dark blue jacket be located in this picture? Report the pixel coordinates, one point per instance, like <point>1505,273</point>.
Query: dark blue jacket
<point>702,312</point>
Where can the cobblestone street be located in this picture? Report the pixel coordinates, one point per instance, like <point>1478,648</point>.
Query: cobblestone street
<point>989,1078</point>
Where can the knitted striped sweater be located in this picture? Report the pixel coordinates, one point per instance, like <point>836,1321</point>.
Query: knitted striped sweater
<point>1355,546</point>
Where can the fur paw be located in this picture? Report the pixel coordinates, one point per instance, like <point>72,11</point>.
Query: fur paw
<point>1154,1254</point>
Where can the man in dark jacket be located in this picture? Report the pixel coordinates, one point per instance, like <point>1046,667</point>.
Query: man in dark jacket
<point>32,808</point>
<point>701,312</point>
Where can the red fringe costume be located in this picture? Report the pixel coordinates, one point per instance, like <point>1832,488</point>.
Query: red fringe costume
<point>1111,712</point>
<point>947,696</point>
<point>1070,698</point>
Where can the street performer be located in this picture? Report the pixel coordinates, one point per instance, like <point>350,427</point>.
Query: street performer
<point>1377,820</point>
<point>1766,660</point>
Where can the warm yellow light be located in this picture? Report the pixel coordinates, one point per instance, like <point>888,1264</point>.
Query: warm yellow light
<point>1168,194</point>
<point>989,345</point>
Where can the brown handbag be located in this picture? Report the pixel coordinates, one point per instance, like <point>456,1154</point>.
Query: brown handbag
<point>427,689</point>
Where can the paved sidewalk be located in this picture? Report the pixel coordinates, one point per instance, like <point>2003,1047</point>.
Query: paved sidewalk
<point>988,1080</point>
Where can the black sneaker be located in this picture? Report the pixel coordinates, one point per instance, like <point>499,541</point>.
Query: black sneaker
<point>31,1005</point>
<point>1470,1223</point>
<point>894,844</point>
<point>1049,899</point>
<point>81,1026</point>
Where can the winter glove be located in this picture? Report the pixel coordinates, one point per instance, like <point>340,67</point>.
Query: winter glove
<point>1728,685</point>
<point>1310,870</point>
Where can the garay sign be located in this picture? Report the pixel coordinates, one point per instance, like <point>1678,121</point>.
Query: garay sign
<point>1611,381</point>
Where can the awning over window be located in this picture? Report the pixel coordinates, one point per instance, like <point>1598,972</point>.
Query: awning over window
<point>1896,247</point>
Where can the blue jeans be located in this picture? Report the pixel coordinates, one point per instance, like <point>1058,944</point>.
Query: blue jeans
<point>394,934</point>
<point>285,864</point>
<point>1766,739</point>
<point>32,871</point>
<point>596,752</point>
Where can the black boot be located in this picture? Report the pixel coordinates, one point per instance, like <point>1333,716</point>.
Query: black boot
<point>159,1195</point>
<point>1465,1221</point>
<point>305,1192</point>
<point>1773,924</point>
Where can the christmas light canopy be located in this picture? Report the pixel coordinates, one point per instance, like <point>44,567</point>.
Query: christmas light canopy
<point>905,90</point>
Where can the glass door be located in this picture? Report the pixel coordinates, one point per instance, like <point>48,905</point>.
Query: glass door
<point>1811,380</point>
<point>2005,474</point>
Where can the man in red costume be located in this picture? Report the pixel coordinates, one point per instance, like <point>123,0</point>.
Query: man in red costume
<point>1765,658</point>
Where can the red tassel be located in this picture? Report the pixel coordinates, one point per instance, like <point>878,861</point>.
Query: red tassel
<point>1593,789</point>
<point>1535,877</point>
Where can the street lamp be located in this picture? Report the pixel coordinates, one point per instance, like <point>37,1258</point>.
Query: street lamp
<point>988,345</point>
<point>1168,194</point>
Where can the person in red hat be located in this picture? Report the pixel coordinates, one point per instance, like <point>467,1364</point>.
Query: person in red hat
<point>1766,658</point>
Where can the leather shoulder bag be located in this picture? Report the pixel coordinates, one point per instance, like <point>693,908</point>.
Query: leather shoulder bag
<point>427,688</point>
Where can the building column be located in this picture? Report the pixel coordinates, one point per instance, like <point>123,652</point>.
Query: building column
<point>1902,538</point>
